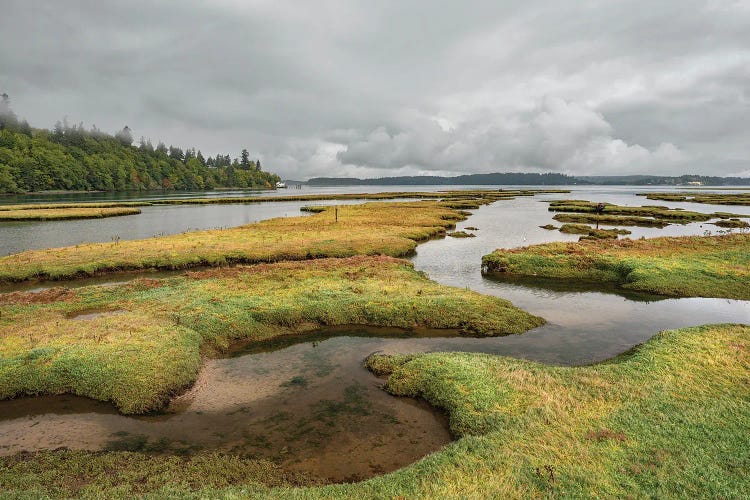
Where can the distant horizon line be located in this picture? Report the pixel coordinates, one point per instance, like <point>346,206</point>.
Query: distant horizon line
<point>682,178</point>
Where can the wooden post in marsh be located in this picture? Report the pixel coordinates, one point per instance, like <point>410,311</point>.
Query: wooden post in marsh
<point>599,210</point>
<point>337,213</point>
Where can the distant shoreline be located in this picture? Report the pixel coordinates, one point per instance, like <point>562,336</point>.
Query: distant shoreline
<point>531,179</point>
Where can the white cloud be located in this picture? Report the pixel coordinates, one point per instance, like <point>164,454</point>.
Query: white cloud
<point>555,135</point>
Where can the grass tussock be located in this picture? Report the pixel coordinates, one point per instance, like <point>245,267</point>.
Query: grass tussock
<point>461,234</point>
<point>604,234</point>
<point>732,223</point>
<point>65,213</point>
<point>590,233</point>
<point>687,266</point>
<point>669,419</point>
<point>392,229</point>
<point>145,339</point>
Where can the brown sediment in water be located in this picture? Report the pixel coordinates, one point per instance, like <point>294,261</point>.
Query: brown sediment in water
<point>310,407</point>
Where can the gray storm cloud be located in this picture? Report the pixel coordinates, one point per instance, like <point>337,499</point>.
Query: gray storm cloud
<point>343,87</point>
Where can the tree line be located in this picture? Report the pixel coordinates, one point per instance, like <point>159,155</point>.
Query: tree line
<point>73,158</point>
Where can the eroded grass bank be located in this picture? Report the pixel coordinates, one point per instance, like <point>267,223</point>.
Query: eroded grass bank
<point>139,343</point>
<point>66,213</point>
<point>687,266</point>
<point>669,419</point>
<point>389,228</point>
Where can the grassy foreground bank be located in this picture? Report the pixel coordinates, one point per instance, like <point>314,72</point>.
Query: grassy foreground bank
<point>389,228</point>
<point>139,343</point>
<point>687,266</point>
<point>66,213</point>
<point>669,419</point>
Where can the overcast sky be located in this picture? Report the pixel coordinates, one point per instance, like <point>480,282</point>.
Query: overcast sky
<point>379,88</point>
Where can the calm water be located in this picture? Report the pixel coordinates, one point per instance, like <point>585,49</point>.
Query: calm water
<point>309,404</point>
<point>152,221</point>
<point>527,213</point>
<point>163,220</point>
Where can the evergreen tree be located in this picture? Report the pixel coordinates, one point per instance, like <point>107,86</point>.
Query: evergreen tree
<point>245,160</point>
<point>58,131</point>
<point>125,136</point>
<point>8,118</point>
<point>176,153</point>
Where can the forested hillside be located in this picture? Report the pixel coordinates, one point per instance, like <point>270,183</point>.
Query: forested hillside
<point>74,158</point>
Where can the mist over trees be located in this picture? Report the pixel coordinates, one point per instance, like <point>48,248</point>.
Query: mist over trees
<point>71,157</point>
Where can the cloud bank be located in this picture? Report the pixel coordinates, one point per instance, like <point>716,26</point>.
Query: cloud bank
<point>340,87</point>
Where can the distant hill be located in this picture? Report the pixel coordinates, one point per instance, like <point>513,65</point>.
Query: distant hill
<point>71,158</point>
<point>659,180</point>
<point>549,179</point>
<point>520,179</point>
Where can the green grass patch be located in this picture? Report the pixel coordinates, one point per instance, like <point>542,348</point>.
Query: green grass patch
<point>63,341</point>
<point>708,198</point>
<point>610,220</point>
<point>65,213</point>
<point>576,228</point>
<point>461,234</point>
<point>590,233</point>
<point>732,223</point>
<point>604,234</point>
<point>654,216</point>
<point>389,228</point>
<point>123,474</point>
<point>687,266</point>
